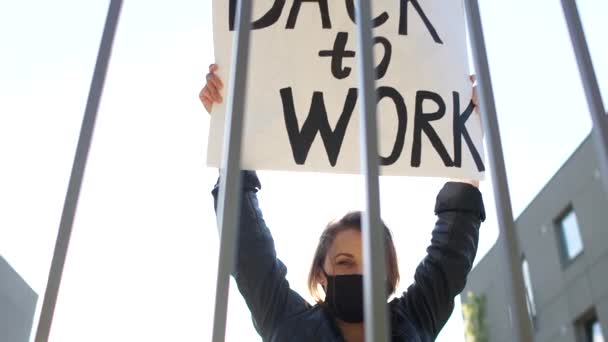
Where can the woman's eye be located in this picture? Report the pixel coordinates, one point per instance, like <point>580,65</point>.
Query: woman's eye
<point>344,262</point>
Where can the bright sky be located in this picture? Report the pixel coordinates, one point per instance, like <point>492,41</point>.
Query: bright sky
<point>143,256</point>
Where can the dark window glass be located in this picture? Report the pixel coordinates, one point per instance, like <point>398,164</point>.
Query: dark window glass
<point>594,331</point>
<point>572,243</point>
<point>525,268</point>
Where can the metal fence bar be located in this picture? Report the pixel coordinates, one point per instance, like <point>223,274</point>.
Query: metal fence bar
<point>376,313</point>
<point>78,169</point>
<point>508,239</point>
<point>230,180</point>
<point>590,84</point>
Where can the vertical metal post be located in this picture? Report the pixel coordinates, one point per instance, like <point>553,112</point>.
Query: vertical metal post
<point>508,239</point>
<point>592,89</point>
<point>78,169</point>
<point>376,313</point>
<point>230,181</point>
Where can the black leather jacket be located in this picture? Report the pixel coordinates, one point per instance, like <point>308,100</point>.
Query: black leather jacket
<point>280,314</point>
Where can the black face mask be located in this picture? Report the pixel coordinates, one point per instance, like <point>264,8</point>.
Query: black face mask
<point>344,296</point>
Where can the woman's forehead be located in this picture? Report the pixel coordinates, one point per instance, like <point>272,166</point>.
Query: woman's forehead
<point>347,242</point>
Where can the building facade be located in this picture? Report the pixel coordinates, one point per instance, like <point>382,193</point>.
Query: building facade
<point>563,237</point>
<point>17,305</point>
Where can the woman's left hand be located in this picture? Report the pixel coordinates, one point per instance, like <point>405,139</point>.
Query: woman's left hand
<point>211,92</point>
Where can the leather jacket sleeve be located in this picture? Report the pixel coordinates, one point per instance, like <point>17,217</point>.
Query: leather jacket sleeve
<point>442,274</point>
<point>260,276</point>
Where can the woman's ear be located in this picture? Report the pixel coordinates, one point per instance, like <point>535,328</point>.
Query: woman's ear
<point>322,280</point>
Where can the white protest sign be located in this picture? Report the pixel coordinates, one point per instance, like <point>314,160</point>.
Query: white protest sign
<point>302,110</point>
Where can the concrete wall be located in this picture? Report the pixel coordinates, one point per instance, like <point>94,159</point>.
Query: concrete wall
<point>563,291</point>
<point>486,279</point>
<point>17,305</point>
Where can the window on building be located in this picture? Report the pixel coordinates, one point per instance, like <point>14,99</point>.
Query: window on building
<point>593,331</point>
<point>529,292</point>
<point>572,243</point>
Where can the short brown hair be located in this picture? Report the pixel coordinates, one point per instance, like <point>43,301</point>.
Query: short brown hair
<point>351,220</point>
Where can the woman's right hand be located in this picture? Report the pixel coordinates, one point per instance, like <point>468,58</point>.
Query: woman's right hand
<point>210,93</point>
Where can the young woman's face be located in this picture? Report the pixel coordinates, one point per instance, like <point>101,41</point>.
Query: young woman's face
<point>345,255</point>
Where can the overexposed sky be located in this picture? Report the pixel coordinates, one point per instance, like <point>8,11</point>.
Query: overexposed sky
<point>143,255</point>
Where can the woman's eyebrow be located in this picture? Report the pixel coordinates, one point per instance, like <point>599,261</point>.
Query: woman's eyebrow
<point>348,255</point>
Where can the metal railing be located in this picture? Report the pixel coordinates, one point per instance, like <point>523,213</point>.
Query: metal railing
<point>80,161</point>
<point>376,315</point>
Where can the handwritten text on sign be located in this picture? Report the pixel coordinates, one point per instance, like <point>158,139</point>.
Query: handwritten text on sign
<point>302,100</point>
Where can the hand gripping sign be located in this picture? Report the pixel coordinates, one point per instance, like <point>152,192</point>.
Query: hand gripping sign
<point>302,110</point>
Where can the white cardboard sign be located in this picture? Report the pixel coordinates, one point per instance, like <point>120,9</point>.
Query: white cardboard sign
<point>302,110</point>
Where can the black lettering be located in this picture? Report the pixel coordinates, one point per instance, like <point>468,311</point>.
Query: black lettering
<point>301,139</point>
<point>268,19</point>
<point>404,19</point>
<point>338,53</point>
<point>422,123</point>
<point>379,20</point>
<point>402,126</point>
<point>295,10</point>
<point>460,131</point>
<point>386,60</point>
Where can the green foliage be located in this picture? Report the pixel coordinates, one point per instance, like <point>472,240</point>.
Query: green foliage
<point>474,313</point>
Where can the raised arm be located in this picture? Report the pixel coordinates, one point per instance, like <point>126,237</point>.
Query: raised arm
<point>260,276</point>
<point>442,274</point>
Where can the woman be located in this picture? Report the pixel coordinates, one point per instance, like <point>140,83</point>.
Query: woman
<point>280,314</point>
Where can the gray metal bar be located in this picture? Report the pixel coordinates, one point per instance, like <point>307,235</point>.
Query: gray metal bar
<point>78,169</point>
<point>230,181</point>
<point>374,263</point>
<point>592,89</point>
<point>508,239</point>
